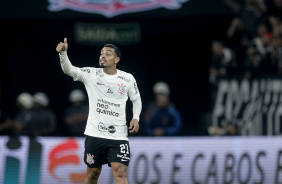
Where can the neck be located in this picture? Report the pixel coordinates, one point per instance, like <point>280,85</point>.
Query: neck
<point>110,71</point>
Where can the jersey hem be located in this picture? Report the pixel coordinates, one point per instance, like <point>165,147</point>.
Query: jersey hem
<point>110,138</point>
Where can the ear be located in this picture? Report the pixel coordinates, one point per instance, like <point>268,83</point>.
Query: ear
<point>117,60</point>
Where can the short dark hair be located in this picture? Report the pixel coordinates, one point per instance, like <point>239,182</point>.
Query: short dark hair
<point>117,51</point>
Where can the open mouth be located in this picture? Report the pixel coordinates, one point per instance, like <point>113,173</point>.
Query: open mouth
<point>103,61</point>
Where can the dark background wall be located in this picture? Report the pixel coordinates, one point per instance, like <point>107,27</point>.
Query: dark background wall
<point>174,48</point>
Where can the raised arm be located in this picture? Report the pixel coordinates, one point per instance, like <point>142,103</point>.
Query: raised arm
<point>66,65</point>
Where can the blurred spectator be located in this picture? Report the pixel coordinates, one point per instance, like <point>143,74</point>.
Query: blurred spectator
<point>76,115</point>
<point>253,63</point>
<point>252,27</point>
<point>276,25</point>
<point>263,39</point>
<point>24,116</point>
<point>230,130</point>
<point>6,124</point>
<point>233,66</point>
<point>35,122</point>
<point>220,61</point>
<point>274,56</point>
<point>13,127</point>
<point>275,8</point>
<point>237,37</point>
<point>163,119</point>
<point>250,12</point>
<point>43,120</point>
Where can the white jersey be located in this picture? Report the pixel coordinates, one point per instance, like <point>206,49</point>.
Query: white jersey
<point>107,96</point>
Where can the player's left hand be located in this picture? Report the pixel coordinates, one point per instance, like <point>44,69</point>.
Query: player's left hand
<point>134,126</point>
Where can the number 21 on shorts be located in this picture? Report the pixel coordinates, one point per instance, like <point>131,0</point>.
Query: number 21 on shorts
<point>124,148</point>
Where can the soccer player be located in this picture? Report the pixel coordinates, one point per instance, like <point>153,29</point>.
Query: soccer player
<point>106,131</point>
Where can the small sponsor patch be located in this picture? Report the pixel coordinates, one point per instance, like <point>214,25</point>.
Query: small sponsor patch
<point>110,90</point>
<point>102,128</point>
<point>124,158</point>
<point>112,129</point>
<point>123,78</point>
<point>135,87</point>
<point>85,70</point>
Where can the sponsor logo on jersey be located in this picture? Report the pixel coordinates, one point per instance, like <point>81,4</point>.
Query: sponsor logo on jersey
<point>90,159</point>
<point>85,70</point>
<point>135,87</point>
<point>108,103</point>
<point>123,78</point>
<point>110,8</point>
<point>112,129</point>
<point>103,109</point>
<point>121,88</point>
<point>110,90</point>
<point>103,128</point>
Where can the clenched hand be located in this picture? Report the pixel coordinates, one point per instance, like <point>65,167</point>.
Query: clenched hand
<point>134,126</point>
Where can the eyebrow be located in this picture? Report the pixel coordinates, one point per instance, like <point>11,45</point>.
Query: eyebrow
<point>107,50</point>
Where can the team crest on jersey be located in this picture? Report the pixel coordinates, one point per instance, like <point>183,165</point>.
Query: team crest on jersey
<point>90,159</point>
<point>110,8</point>
<point>121,88</point>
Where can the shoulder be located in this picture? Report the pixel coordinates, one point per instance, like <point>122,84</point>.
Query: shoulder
<point>128,77</point>
<point>172,109</point>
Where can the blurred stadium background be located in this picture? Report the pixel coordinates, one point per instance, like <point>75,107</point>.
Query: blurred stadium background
<point>160,40</point>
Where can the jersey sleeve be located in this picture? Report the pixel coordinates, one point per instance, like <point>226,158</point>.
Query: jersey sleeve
<point>133,91</point>
<point>82,74</point>
<point>78,74</point>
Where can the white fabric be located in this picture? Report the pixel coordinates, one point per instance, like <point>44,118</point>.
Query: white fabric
<point>137,107</point>
<point>107,96</point>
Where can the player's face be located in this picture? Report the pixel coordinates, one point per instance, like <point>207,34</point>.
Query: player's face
<point>108,57</point>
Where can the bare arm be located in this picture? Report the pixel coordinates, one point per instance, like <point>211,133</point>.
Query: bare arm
<point>233,5</point>
<point>233,27</point>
